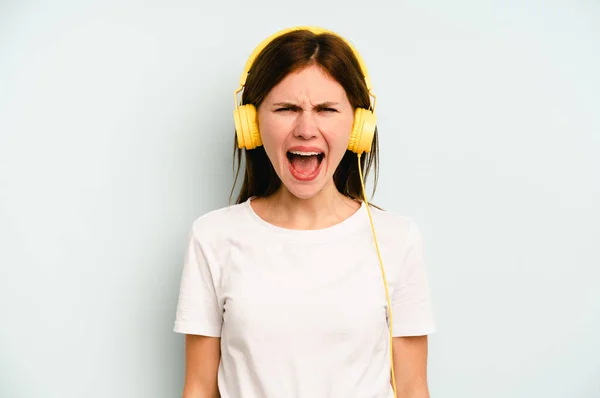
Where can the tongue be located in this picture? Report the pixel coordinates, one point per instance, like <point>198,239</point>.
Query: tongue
<point>305,164</point>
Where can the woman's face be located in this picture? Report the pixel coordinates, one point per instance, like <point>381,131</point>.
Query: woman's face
<point>305,124</point>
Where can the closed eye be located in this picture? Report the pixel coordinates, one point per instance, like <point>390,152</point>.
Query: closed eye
<point>295,109</point>
<point>326,107</point>
<point>289,107</point>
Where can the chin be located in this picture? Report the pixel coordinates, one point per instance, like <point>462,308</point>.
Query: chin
<point>304,192</point>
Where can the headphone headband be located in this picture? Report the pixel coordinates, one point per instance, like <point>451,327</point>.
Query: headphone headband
<point>314,29</point>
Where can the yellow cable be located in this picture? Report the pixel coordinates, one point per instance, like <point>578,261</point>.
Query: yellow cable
<point>387,293</point>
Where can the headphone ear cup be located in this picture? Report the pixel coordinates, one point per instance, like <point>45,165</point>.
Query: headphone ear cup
<point>253,130</point>
<point>246,127</point>
<point>237,119</point>
<point>363,131</point>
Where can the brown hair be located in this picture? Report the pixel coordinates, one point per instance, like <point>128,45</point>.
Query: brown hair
<point>287,54</point>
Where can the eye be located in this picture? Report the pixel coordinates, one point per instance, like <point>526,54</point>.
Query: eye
<point>286,109</point>
<point>326,109</point>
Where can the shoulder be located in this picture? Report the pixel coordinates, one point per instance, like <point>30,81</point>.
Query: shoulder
<point>394,225</point>
<point>216,223</point>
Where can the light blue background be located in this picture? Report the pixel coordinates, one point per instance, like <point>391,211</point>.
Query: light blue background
<point>116,132</point>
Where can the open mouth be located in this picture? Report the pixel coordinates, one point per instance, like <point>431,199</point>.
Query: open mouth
<point>305,165</point>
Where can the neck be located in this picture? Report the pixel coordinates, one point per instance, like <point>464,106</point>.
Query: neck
<point>323,210</point>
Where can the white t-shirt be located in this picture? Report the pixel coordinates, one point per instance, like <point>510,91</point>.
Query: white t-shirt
<point>302,313</point>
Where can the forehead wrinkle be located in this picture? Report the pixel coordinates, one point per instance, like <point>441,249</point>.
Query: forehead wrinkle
<point>304,98</point>
<point>309,86</point>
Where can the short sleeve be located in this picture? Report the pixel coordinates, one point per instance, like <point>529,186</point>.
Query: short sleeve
<point>198,310</point>
<point>411,302</point>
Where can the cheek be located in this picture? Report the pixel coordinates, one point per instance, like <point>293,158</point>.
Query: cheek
<point>273,133</point>
<point>339,136</point>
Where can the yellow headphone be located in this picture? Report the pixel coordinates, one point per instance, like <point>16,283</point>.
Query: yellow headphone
<point>363,131</point>
<point>246,123</point>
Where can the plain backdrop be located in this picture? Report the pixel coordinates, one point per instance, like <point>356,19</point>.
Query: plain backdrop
<point>116,132</point>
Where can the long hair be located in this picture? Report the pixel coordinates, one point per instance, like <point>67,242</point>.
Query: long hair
<point>286,54</point>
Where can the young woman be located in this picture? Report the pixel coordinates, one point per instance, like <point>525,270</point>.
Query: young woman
<point>289,293</point>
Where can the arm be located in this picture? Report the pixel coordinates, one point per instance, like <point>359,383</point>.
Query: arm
<point>413,321</point>
<point>199,318</point>
<point>202,356</point>
<point>410,366</point>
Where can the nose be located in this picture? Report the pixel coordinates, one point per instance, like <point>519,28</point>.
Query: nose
<point>306,126</point>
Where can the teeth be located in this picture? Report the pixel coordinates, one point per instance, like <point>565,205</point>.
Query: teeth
<point>305,153</point>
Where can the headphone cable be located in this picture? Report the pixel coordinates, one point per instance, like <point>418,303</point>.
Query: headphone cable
<point>387,293</point>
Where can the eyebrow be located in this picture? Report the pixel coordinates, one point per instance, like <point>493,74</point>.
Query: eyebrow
<point>326,104</point>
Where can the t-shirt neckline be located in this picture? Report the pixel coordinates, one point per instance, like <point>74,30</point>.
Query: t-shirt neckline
<point>344,227</point>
